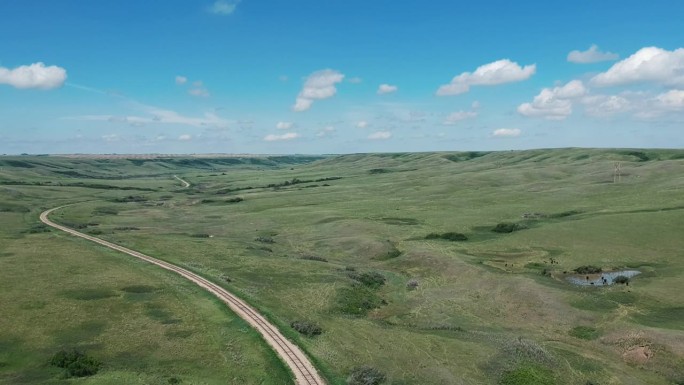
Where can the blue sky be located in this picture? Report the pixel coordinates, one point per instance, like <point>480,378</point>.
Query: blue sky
<point>257,76</point>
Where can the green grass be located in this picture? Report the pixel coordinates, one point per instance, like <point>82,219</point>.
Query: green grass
<point>472,296</point>
<point>584,332</point>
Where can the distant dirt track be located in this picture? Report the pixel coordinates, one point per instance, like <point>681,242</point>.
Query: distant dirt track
<point>304,371</point>
<point>186,184</point>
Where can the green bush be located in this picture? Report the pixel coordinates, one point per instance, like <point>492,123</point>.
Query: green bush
<point>357,300</point>
<point>450,236</point>
<point>588,269</point>
<point>365,375</point>
<point>371,279</point>
<point>75,363</point>
<point>507,227</point>
<point>307,328</point>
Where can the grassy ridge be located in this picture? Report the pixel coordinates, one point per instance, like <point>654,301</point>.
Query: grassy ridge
<point>481,303</point>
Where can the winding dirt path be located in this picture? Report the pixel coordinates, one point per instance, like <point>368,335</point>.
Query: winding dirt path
<point>304,371</point>
<point>186,184</point>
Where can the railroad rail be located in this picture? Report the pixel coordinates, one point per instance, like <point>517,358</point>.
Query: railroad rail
<point>304,371</point>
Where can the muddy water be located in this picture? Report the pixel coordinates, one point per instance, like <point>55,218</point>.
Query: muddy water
<point>603,279</point>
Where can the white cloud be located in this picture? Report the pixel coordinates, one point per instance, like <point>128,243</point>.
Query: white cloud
<point>158,116</point>
<point>606,105</point>
<point>286,136</point>
<point>380,135</point>
<point>649,64</point>
<point>554,103</point>
<point>458,116</point>
<point>111,138</point>
<point>362,124</point>
<point>387,89</point>
<point>498,72</point>
<point>223,7</point>
<point>35,75</point>
<point>185,137</point>
<point>181,80</point>
<point>319,85</point>
<point>507,132</point>
<point>326,131</point>
<point>672,100</point>
<point>355,80</point>
<point>284,125</point>
<point>199,91</point>
<point>592,55</point>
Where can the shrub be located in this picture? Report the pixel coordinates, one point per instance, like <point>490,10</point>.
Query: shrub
<point>412,284</point>
<point>200,235</point>
<point>307,328</point>
<point>371,279</point>
<point>379,171</point>
<point>450,236</point>
<point>314,258</point>
<point>507,227</point>
<point>264,239</point>
<point>38,228</point>
<point>588,269</point>
<point>357,300</point>
<point>75,363</point>
<point>621,279</point>
<point>365,375</point>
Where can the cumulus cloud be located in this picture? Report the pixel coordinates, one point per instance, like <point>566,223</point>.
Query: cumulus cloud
<point>286,136</point>
<point>387,89</point>
<point>181,80</point>
<point>362,124</point>
<point>554,103</point>
<point>649,64</point>
<point>35,75</point>
<point>380,135</point>
<point>507,132</point>
<point>498,72</point>
<point>606,105</point>
<point>672,100</point>
<point>284,125</point>
<point>592,55</point>
<point>319,85</point>
<point>185,137</point>
<point>223,7</point>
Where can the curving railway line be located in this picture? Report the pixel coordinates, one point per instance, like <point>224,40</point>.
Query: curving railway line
<point>304,371</point>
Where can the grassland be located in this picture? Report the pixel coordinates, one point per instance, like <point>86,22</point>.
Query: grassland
<point>493,308</point>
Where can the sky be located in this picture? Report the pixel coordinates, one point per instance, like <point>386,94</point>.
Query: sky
<point>322,77</point>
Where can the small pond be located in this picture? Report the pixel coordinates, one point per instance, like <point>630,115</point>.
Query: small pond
<point>602,279</point>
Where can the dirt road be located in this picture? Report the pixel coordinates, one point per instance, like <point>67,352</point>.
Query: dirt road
<point>185,183</point>
<point>304,371</point>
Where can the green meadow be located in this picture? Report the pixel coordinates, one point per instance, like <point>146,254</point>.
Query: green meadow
<point>393,256</point>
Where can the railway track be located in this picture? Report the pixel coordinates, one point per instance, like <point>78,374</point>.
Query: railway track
<point>302,368</point>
